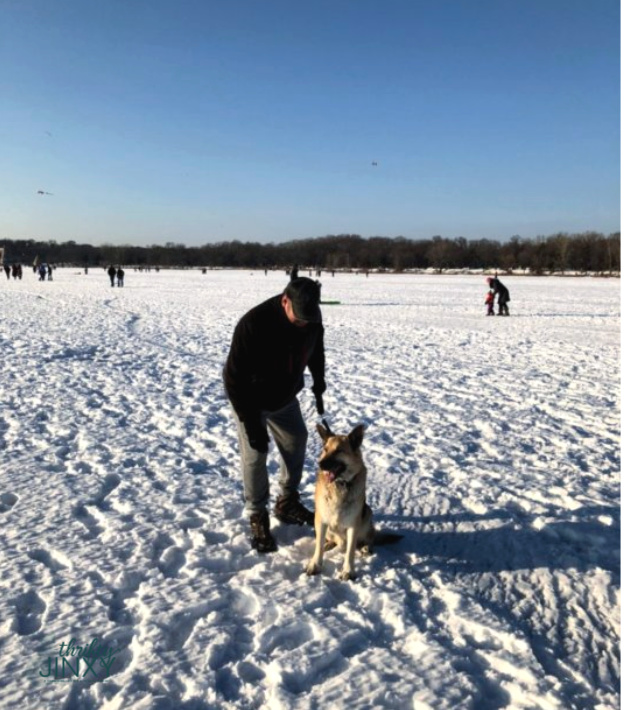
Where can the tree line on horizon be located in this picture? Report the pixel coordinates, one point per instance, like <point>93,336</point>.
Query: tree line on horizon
<point>587,252</point>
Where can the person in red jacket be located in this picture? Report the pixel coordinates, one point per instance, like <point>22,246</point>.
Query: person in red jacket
<point>490,303</point>
<point>271,347</point>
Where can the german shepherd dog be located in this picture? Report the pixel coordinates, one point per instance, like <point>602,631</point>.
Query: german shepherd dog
<point>342,516</point>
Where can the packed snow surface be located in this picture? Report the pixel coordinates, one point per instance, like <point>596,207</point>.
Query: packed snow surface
<point>493,447</point>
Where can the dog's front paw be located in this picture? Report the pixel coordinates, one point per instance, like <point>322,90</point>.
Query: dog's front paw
<point>312,568</point>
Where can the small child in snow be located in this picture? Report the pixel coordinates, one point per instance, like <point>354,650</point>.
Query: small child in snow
<point>490,303</point>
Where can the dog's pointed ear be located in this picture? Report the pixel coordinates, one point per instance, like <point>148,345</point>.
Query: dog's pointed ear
<point>356,436</point>
<point>324,432</point>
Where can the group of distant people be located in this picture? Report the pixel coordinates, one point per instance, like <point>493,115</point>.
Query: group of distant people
<point>116,274</point>
<point>497,290</point>
<point>45,271</point>
<point>294,272</point>
<point>14,270</point>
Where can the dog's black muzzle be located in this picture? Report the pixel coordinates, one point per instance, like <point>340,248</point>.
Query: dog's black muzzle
<point>332,466</point>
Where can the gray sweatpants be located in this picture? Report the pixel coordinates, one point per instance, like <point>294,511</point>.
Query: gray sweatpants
<point>289,432</point>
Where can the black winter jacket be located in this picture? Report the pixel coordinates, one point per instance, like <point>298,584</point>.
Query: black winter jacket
<point>503,295</point>
<point>267,359</point>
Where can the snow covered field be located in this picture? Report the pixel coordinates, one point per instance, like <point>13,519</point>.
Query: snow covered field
<point>493,446</point>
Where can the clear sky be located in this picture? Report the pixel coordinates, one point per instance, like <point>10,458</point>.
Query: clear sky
<point>196,121</point>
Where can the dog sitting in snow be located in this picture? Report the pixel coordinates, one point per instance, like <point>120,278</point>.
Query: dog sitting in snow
<point>342,516</point>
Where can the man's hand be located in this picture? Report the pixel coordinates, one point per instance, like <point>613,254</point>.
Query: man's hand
<point>257,435</point>
<point>319,401</point>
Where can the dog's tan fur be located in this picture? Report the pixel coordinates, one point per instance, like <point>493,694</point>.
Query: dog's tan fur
<point>342,516</point>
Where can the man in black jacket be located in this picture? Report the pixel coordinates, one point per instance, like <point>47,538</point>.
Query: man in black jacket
<point>271,347</point>
<point>503,295</point>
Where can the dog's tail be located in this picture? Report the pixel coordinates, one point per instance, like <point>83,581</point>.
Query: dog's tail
<point>381,537</point>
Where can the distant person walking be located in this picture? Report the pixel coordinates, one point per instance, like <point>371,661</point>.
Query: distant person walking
<point>503,295</point>
<point>120,277</point>
<point>112,272</point>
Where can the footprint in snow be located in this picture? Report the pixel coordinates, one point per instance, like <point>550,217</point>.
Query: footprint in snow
<point>160,544</point>
<point>87,520</point>
<point>29,610</point>
<point>171,562</point>
<point>191,521</point>
<point>286,637</point>
<point>177,633</point>
<point>109,484</point>
<point>7,501</point>
<point>53,560</point>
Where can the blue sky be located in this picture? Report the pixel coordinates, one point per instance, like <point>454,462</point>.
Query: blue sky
<point>196,121</point>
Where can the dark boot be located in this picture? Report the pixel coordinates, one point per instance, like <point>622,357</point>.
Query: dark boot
<point>262,539</point>
<point>289,510</point>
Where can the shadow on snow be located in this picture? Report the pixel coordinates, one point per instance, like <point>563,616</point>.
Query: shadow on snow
<point>518,543</point>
